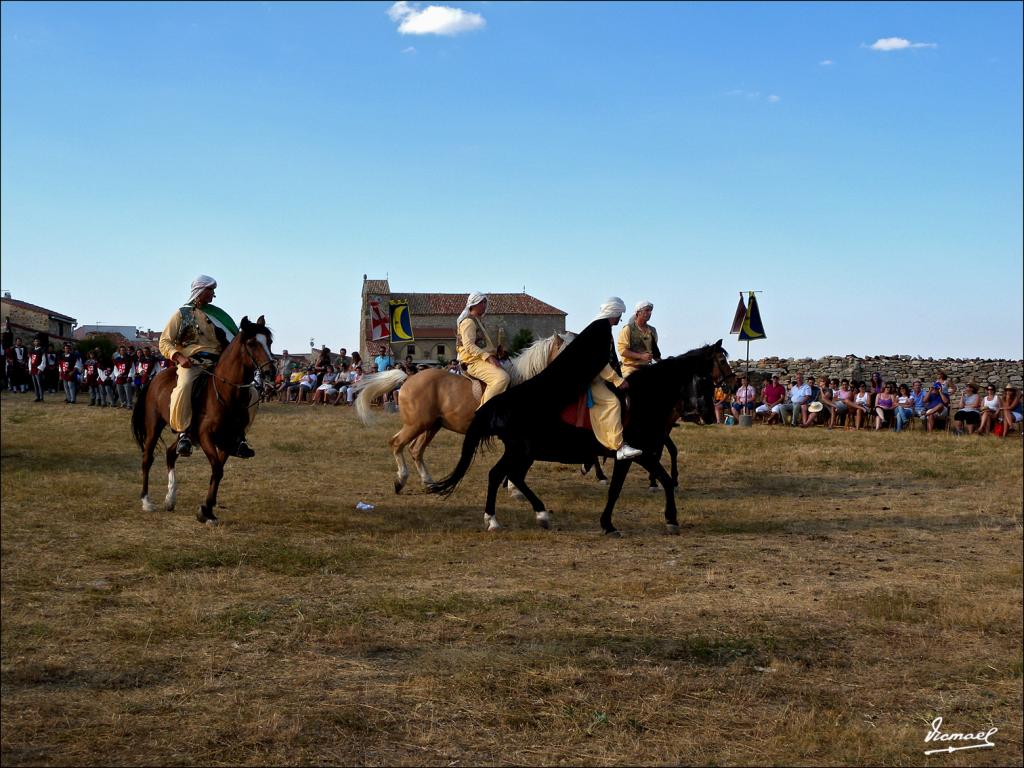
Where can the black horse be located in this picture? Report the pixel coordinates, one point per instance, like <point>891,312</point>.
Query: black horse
<point>530,434</point>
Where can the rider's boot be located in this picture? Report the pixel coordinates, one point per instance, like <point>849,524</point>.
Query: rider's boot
<point>184,445</point>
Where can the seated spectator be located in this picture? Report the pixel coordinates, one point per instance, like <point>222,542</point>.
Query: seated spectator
<point>840,394</point>
<point>341,384</point>
<point>969,414</point>
<point>904,407</point>
<point>799,398</point>
<point>859,405</point>
<point>354,375</point>
<point>825,395</point>
<point>885,407</point>
<point>357,363</point>
<point>936,406</point>
<point>744,398</point>
<point>306,385</point>
<point>991,405</point>
<point>723,393</point>
<point>1011,415</point>
<point>454,368</point>
<point>772,397</point>
<point>875,385</point>
<point>326,389</point>
<point>919,396</point>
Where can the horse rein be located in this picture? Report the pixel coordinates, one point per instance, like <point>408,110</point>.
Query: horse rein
<point>258,370</point>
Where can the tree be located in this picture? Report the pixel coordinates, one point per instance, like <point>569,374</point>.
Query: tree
<point>522,339</point>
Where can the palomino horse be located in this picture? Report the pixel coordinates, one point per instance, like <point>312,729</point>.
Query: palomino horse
<point>434,398</point>
<point>220,411</point>
<point>531,435</point>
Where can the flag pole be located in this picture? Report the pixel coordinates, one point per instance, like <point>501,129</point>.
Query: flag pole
<point>748,345</point>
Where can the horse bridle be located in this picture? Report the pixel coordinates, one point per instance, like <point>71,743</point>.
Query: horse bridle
<point>260,372</point>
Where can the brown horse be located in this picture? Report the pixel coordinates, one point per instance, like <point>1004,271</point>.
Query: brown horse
<point>220,412</point>
<point>434,398</point>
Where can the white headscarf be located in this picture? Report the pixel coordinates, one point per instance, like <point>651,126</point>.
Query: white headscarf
<point>642,305</point>
<point>612,307</point>
<point>199,285</point>
<point>474,299</point>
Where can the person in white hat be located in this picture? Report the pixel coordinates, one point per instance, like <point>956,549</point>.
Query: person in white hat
<point>637,344</point>
<point>194,338</point>
<point>473,346</point>
<point>606,412</point>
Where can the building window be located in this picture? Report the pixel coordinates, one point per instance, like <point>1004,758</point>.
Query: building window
<point>440,350</point>
<point>410,351</point>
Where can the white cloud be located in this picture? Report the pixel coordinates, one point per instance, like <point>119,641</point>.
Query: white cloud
<point>434,19</point>
<point>410,49</point>
<point>898,44</point>
<point>771,98</point>
<point>774,99</point>
<point>826,63</point>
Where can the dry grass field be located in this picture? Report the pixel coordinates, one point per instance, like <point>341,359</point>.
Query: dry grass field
<point>831,594</point>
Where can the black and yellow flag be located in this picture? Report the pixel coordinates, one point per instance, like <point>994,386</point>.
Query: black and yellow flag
<point>401,321</point>
<point>752,328</point>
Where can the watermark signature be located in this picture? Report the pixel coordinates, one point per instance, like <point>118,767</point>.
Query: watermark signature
<point>937,735</point>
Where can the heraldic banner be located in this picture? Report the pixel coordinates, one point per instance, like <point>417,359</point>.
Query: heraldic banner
<point>379,327</point>
<point>401,321</point>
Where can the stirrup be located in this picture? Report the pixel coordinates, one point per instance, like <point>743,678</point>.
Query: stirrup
<point>184,445</point>
<point>243,450</point>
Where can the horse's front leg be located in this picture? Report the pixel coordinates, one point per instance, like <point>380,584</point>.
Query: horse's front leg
<point>147,462</point>
<point>673,454</point>
<point>653,466</point>
<point>217,459</point>
<point>172,483</point>
<point>619,471</point>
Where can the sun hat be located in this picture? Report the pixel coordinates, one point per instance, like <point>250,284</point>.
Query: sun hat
<point>815,406</point>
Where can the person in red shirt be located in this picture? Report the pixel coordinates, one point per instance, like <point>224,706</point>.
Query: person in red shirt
<point>68,366</point>
<point>37,367</point>
<point>772,398</point>
<point>123,373</point>
<point>91,378</point>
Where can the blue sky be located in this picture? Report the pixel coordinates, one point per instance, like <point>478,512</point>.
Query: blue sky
<point>860,163</point>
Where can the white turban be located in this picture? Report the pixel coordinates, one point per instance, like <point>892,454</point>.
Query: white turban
<point>199,285</point>
<point>612,307</point>
<point>474,299</point>
<point>642,305</point>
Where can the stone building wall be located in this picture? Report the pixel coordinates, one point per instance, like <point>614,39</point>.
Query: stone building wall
<point>901,369</point>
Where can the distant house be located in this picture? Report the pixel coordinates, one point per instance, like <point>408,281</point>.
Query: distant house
<point>434,316</point>
<point>128,335</point>
<point>26,320</point>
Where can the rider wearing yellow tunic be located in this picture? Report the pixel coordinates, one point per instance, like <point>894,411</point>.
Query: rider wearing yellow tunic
<point>474,347</point>
<point>190,340</point>
<point>637,344</point>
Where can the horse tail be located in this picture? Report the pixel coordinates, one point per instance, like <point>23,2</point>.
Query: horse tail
<point>369,388</point>
<point>479,433</point>
<point>139,416</point>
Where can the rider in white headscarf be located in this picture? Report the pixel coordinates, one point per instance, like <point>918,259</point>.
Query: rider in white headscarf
<point>637,344</point>
<point>606,412</point>
<point>474,347</point>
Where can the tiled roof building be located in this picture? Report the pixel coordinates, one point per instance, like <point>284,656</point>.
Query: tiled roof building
<point>434,315</point>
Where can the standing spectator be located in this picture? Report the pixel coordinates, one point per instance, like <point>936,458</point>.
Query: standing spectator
<point>69,364</point>
<point>91,378</point>
<point>343,359</point>
<point>123,373</point>
<point>874,387</point>
<point>969,414</point>
<point>17,367</point>
<point>383,360</point>
<point>991,405</point>
<point>772,396</point>
<point>107,381</point>
<point>37,367</point>
<point>1011,409</point>
<point>885,407</point>
<point>51,377</point>
<point>743,400</point>
<point>936,406</point>
<point>947,387</point>
<point>145,368</point>
<point>904,407</point>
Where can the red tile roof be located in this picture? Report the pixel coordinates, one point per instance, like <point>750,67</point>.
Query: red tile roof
<point>376,287</point>
<point>36,308</point>
<point>454,303</point>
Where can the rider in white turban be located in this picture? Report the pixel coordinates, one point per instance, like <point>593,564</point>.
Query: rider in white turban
<point>612,307</point>
<point>199,285</point>
<point>637,344</point>
<point>474,348</point>
<point>606,412</point>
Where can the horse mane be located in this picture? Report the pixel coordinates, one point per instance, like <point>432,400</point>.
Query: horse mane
<point>534,358</point>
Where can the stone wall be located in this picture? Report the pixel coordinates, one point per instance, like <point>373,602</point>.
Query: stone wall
<point>901,369</point>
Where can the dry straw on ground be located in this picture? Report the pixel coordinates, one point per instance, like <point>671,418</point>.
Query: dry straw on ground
<point>831,594</point>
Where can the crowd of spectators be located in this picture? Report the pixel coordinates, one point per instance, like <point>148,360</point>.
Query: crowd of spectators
<point>873,404</point>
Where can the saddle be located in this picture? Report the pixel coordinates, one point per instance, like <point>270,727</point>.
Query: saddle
<point>478,386</point>
<point>577,414</point>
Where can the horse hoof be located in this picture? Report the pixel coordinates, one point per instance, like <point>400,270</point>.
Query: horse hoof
<point>206,517</point>
<point>613,534</point>
<point>148,506</point>
<point>515,493</point>
<point>544,519</point>
<point>603,482</point>
<point>398,486</point>
<point>492,523</point>
<point>652,488</point>
<point>671,530</point>
<point>169,507</point>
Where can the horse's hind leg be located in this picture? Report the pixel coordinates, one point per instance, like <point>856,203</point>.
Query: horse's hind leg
<point>619,471</point>
<point>653,466</point>
<point>416,449</point>
<point>402,438</point>
<point>517,475</point>
<point>494,478</point>
<point>172,482</point>
<point>147,462</point>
